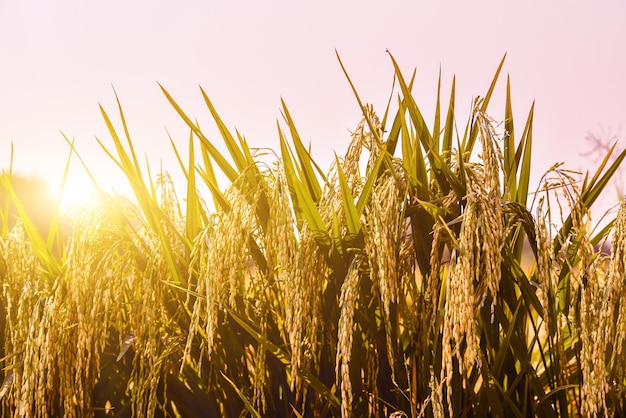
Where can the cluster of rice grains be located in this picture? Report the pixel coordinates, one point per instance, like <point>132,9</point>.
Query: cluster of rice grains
<point>596,316</point>
<point>355,304</point>
<point>475,263</point>
<point>603,322</point>
<point>226,260</point>
<point>62,332</point>
<point>385,261</point>
<point>292,285</point>
<point>22,290</point>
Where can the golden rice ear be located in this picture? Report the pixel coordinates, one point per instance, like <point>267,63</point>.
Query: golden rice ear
<point>594,343</point>
<point>547,276</point>
<point>345,333</point>
<point>475,268</point>
<point>385,225</point>
<point>614,311</point>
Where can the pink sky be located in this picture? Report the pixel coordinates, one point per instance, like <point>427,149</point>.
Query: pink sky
<point>60,59</point>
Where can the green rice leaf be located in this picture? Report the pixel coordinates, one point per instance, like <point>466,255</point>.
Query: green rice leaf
<point>510,168</point>
<point>280,354</point>
<point>525,148</point>
<point>241,162</point>
<point>54,235</point>
<point>366,191</point>
<point>446,148</point>
<point>352,215</point>
<point>469,146</point>
<point>319,387</point>
<point>588,196</point>
<point>243,397</point>
<point>218,197</point>
<point>193,219</point>
<point>223,164</point>
<point>414,162</point>
<point>304,206</point>
<point>310,179</point>
<point>437,122</point>
<point>49,262</point>
<point>445,176</point>
<point>434,210</point>
<point>358,99</point>
<point>194,215</point>
<point>284,358</point>
<point>146,198</point>
<point>396,127</point>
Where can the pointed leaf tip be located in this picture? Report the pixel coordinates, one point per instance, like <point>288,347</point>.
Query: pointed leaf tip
<point>126,343</point>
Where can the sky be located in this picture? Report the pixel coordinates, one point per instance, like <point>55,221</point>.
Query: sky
<point>59,60</point>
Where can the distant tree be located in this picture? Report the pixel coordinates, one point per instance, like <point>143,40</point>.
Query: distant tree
<point>600,143</point>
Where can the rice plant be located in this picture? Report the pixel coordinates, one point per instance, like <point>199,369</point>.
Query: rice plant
<point>391,285</point>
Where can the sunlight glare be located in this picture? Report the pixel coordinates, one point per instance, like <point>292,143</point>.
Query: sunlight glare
<point>78,194</point>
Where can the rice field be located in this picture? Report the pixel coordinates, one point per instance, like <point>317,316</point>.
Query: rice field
<point>391,285</point>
